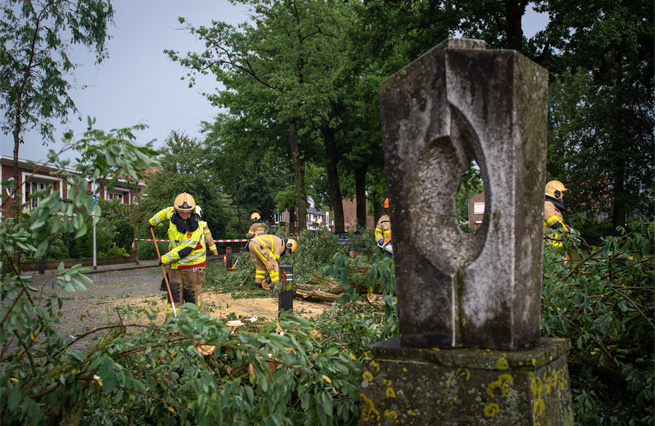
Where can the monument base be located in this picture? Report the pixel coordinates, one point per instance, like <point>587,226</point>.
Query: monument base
<point>412,386</point>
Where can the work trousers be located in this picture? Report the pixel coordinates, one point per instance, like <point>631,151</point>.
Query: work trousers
<point>186,284</point>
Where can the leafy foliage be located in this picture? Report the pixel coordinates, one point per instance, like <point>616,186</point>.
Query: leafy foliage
<point>184,168</point>
<point>603,302</point>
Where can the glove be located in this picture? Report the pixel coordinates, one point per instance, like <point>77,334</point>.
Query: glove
<point>215,252</point>
<point>160,263</point>
<point>150,225</point>
<point>380,243</point>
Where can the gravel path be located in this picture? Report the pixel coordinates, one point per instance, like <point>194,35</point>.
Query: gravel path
<point>84,311</point>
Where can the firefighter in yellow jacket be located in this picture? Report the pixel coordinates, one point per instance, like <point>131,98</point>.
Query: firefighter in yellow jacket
<point>383,229</point>
<point>265,250</point>
<point>187,252</point>
<point>257,228</point>
<point>553,208</point>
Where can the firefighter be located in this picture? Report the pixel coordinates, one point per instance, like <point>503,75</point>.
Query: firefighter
<point>383,230</point>
<point>257,228</point>
<point>553,208</point>
<point>265,250</point>
<point>187,252</point>
<point>211,246</point>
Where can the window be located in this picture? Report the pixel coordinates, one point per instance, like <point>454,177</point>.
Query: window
<point>122,195</point>
<point>478,208</point>
<point>35,184</point>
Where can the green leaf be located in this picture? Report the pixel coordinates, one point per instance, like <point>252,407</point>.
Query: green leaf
<point>77,354</point>
<point>645,248</point>
<point>13,399</point>
<point>344,277</point>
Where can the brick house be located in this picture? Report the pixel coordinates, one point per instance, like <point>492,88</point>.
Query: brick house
<point>350,216</point>
<point>38,176</point>
<point>476,210</point>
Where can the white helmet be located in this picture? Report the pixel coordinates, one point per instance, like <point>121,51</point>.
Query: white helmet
<point>198,210</point>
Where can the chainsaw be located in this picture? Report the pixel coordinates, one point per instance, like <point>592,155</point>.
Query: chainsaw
<point>386,246</point>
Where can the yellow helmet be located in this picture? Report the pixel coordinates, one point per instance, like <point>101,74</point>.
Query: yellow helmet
<point>292,244</point>
<point>255,216</point>
<point>184,203</point>
<point>555,189</point>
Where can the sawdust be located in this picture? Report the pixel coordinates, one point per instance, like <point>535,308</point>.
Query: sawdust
<point>118,297</point>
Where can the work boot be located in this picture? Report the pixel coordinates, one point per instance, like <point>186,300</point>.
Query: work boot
<point>266,286</point>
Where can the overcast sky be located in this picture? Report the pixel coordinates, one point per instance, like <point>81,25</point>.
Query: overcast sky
<point>138,83</point>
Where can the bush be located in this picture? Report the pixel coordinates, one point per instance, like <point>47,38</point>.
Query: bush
<point>146,249</point>
<point>603,302</point>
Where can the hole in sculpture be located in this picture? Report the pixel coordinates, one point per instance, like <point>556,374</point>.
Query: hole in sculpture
<point>470,199</point>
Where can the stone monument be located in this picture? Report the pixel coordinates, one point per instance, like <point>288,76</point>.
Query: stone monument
<point>469,350</point>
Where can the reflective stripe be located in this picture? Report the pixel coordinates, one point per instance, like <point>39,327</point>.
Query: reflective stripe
<point>552,219</point>
<point>261,255</point>
<point>188,259</point>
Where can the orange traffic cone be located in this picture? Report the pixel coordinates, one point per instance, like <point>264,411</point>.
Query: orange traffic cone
<point>224,258</point>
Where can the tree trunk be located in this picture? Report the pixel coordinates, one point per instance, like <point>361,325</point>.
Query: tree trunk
<point>236,198</point>
<point>360,195</point>
<point>332,160</point>
<point>377,213</point>
<point>299,171</point>
<point>18,186</point>
<point>514,11</point>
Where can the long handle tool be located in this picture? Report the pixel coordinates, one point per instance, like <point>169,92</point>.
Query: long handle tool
<point>168,287</point>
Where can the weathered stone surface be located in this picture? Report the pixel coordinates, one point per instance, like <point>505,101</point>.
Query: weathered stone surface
<point>416,386</point>
<point>458,103</point>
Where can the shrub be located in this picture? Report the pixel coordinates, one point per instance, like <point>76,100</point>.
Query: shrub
<point>603,302</point>
<point>146,249</point>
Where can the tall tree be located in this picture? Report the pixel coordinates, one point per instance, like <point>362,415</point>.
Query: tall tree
<point>184,168</point>
<point>248,168</point>
<point>36,36</point>
<point>602,107</point>
<point>605,45</point>
<point>283,52</point>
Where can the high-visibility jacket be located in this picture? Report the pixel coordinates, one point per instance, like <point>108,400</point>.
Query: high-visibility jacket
<point>186,248</point>
<point>256,229</point>
<point>211,246</point>
<point>266,250</point>
<point>553,219</point>
<point>383,229</point>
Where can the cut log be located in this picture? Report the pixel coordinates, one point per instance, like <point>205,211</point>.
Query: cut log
<point>316,295</point>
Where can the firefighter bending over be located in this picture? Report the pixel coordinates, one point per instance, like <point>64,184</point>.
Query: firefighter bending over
<point>187,252</point>
<point>383,230</point>
<point>265,250</point>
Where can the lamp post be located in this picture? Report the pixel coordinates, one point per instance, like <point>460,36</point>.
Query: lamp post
<point>277,206</point>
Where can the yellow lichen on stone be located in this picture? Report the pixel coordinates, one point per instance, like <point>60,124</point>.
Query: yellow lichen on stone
<point>392,415</point>
<point>367,376</point>
<point>369,412</point>
<point>390,393</point>
<point>503,382</point>
<point>502,364</point>
<point>537,388</point>
<point>463,372</point>
<point>491,410</point>
<point>376,366</point>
